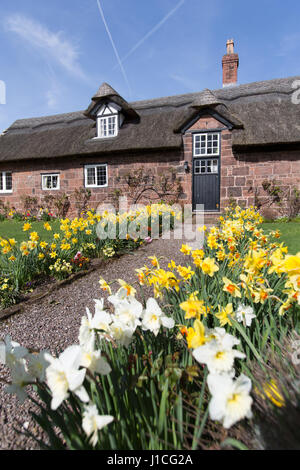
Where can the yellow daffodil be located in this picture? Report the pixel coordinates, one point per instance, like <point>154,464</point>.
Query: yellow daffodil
<point>185,273</point>
<point>185,249</point>
<point>26,227</point>
<point>47,226</point>
<point>196,336</point>
<point>194,308</point>
<point>209,266</point>
<point>224,314</point>
<point>231,288</point>
<point>129,289</point>
<point>104,285</point>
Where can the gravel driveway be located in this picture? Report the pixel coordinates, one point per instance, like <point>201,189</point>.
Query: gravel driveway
<point>53,323</point>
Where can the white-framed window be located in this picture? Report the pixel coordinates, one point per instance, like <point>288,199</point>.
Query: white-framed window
<point>95,176</point>
<point>50,181</point>
<point>206,144</point>
<point>107,126</point>
<point>205,166</point>
<point>5,182</point>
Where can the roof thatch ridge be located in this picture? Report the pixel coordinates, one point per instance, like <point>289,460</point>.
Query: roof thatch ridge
<point>107,93</point>
<point>205,98</point>
<point>105,90</point>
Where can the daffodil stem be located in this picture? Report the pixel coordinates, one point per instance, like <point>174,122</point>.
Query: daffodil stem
<point>250,344</point>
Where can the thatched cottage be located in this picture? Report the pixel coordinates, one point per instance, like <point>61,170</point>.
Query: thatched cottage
<point>222,144</point>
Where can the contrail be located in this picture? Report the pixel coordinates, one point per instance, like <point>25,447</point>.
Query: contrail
<point>114,47</point>
<point>152,31</point>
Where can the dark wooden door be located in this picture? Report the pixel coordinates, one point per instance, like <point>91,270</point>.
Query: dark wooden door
<point>206,183</point>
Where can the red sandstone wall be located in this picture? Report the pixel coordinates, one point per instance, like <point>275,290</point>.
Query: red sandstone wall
<point>240,172</point>
<point>27,178</point>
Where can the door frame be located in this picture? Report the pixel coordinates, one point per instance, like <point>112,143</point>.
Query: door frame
<point>207,131</point>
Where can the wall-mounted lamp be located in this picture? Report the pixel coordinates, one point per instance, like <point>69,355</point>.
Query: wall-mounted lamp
<point>186,166</point>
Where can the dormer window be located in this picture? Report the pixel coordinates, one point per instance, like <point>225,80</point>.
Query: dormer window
<point>109,120</point>
<point>108,126</point>
<point>109,110</point>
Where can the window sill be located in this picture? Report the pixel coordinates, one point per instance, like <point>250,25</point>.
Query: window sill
<point>211,155</point>
<point>50,189</point>
<point>104,138</point>
<point>9,191</point>
<point>95,187</point>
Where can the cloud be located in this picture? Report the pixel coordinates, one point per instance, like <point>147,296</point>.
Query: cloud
<point>53,44</point>
<point>53,97</point>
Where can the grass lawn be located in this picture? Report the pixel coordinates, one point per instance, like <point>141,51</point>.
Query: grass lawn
<point>14,229</point>
<point>290,233</point>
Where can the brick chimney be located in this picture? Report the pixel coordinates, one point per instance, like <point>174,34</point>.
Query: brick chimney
<point>230,63</point>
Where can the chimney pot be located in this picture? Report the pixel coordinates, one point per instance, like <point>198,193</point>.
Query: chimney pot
<point>230,46</point>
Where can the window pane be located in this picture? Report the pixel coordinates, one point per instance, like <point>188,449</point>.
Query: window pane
<point>46,182</point>
<point>8,181</point>
<point>111,125</point>
<point>1,181</point>
<point>91,176</point>
<point>101,175</point>
<point>54,182</point>
<point>103,127</point>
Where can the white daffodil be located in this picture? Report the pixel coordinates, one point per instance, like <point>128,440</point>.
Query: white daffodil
<point>218,354</point>
<point>89,324</point>
<point>245,314</point>
<point>122,294</point>
<point>230,400</point>
<point>63,375</point>
<point>20,378</point>
<point>37,365</point>
<point>93,361</point>
<point>227,340</point>
<point>86,332</point>
<point>11,352</point>
<point>129,312</point>
<point>92,422</point>
<point>154,318</point>
<point>121,333</point>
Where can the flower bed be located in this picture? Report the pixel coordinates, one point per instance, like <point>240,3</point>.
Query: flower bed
<point>71,247</point>
<point>183,369</point>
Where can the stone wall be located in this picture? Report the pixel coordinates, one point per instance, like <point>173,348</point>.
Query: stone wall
<point>27,175</point>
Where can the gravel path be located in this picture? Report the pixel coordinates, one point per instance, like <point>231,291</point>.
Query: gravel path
<point>53,323</point>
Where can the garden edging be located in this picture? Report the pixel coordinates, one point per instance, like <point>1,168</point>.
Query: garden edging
<point>18,308</point>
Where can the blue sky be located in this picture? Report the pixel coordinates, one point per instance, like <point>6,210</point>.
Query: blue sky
<point>55,55</point>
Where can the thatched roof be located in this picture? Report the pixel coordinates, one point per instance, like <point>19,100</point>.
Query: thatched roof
<point>260,113</point>
<point>106,94</point>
